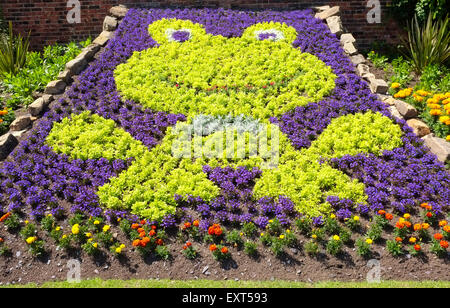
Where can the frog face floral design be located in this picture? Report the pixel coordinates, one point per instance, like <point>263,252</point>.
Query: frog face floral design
<point>231,86</point>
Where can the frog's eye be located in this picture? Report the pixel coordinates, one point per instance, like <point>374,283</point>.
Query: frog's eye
<point>176,30</point>
<point>180,35</point>
<point>271,34</point>
<point>271,31</point>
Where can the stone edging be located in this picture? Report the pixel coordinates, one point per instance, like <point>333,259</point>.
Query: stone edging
<point>74,67</point>
<point>399,109</point>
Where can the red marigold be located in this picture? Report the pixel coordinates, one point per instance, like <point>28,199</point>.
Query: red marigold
<point>444,244</point>
<point>185,247</point>
<point>196,223</point>
<point>143,222</point>
<point>389,216</point>
<point>211,231</point>
<point>153,227</point>
<point>4,217</point>
<point>140,230</point>
<point>187,225</point>
<point>142,234</point>
<point>188,244</point>
<point>159,242</point>
<point>224,250</point>
<point>417,247</point>
<point>152,233</point>
<point>218,232</point>
<point>1,240</point>
<point>438,236</point>
<point>429,214</point>
<point>213,247</point>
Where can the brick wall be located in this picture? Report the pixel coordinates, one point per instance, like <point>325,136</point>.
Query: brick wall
<point>46,19</point>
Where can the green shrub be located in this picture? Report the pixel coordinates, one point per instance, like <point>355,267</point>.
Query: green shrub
<point>250,248</point>
<point>13,52</point>
<point>429,43</point>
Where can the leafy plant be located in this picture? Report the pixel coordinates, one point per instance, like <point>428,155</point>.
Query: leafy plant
<point>250,248</point>
<point>394,248</point>
<point>378,60</point>
<point>363,248</point>
<point>429,43</point>
<point>13,52</point>
<point>312,247</point>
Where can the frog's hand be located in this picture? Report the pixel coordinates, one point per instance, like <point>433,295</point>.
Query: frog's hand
<point>149,184</point>
<point>307,183</point>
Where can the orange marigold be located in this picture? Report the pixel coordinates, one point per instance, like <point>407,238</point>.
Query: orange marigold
<point>444,244</point>
<point>134,226</point>
<point>213,247</point>
<point>187,225</point>
<point>417,227</point>
<point>381,212</point>
<point>398,239</point>
<point>196,223</point>
<point>136,243</point>
<point>224,250</point>
<point>425,226</point>
<point>447,229</point>
<point>389,216</point>
<point>417,247</point>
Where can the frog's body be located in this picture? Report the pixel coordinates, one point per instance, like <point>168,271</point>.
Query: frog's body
<point>199,75</point>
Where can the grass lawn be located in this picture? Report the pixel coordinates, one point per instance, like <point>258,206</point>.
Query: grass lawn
<point>98,283</point>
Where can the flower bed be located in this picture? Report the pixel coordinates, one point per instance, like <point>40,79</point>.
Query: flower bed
<point>106,148</point>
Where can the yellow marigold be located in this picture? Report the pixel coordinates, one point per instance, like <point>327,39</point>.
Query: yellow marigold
<point>96,222</point>
<point>27,222</point>
<point>106,228</point>
<point>288,231</point>
<point>122,246</point>
<point>336,237</point>
<point>3,112</point>
<point>58,228</point>
<point>369,241</point>
<point>448,138</point>
<point>435,112</point>
<point>419,98</point>
<point>282,236</point>
<point>356,218</point>
<point>333,216</point>
<point>422,93</point>
<point>406,216</point>
<point>395,85</point>
<point>95,245</point>
<point>262,234</point>
<point>64,236</point>
<point>444,119</point>
<point>75,229</point>
<point>446,101</point>
<point>447,122</point>
<point>412,240</point>
<point>31,240</point>
<point>434,106</point>
<point>88,234</point>
<point>314,236</point>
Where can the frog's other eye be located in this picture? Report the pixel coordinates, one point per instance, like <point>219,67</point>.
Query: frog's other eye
<point>180,35</point>
<point>270,31</point>
<point>270,34</point>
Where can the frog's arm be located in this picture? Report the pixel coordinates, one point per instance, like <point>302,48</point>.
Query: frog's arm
<point>302,178</point>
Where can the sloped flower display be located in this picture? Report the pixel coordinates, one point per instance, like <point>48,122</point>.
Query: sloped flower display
<point>122,143</point>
